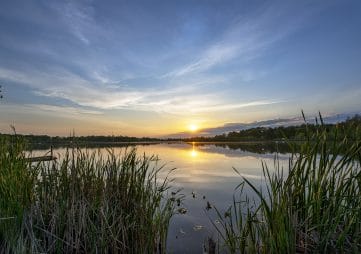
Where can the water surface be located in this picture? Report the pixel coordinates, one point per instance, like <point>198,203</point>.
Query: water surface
<point>205,173</point>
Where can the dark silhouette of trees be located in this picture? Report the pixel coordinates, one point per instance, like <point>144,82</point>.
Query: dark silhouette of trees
<point>295,133</point>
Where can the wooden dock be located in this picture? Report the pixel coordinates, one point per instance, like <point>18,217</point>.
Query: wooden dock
<point>41,158</point>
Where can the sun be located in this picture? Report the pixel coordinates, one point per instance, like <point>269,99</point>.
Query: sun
<point>193,127</point>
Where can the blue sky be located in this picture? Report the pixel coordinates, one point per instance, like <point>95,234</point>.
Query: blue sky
<point>155,67</point>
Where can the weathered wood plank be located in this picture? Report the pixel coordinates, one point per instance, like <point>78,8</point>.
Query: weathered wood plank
<point>41,158</point>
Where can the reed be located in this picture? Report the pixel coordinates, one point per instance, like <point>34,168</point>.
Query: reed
<point>84,203</point>
<point>313,207</point>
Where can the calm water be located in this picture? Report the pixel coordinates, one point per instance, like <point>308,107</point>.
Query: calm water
<point>205,170</point>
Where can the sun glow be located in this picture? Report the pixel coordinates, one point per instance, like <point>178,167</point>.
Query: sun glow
<point>193,127</point>
<point>194,153</point>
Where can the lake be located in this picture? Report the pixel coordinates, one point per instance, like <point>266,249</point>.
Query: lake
<point>205,173</point>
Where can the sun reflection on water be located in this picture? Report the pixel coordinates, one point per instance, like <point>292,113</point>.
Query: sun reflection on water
<point>193,152</point>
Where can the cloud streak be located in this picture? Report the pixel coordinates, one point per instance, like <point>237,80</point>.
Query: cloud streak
<point>179,100</point>
<point>247,39</point>
<point>75,111</point>
<point>78,17</point>
<point>214,55</point>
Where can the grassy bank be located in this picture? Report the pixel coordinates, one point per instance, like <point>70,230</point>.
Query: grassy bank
<point>83,203</point>
<point>313,207</point>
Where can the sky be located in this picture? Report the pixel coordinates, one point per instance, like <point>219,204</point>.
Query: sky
<point>150,68</point>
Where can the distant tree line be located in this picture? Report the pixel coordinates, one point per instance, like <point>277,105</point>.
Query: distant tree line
<point>41,139</point>
<point>296,133</point>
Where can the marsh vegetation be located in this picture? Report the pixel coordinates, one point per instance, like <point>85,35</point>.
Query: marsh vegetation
<point>84,203</point>
<point>119,201</point>
<point>313,206</point>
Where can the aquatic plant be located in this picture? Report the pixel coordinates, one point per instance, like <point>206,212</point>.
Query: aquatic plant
<point>314,206</point>
<point>83,203</point>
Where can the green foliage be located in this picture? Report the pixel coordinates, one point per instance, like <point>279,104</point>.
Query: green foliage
<point>16,185</point>
<point>79,140</point>
<point>314,207</point>
<point>84,203</point>
<point>295,133</point>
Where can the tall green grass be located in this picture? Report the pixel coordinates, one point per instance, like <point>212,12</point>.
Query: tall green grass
<point>16,193</point>
<point>313,207</point>
<point>84,203</point>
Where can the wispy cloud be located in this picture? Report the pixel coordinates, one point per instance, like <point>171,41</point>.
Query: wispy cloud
<point>226,107</point>
<point>51,111</point>
<point>78,16</point>
<point>175,100</point>
<point>247,38</point>
<point>75,111</point>
<point>214,55</point>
